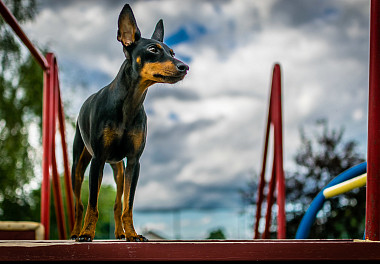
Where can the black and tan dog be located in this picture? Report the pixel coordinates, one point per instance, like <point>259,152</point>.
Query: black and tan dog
<point>112,125</point>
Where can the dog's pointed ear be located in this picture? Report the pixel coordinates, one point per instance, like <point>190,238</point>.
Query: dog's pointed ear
<point>128,32</point>
<point>158,33</point>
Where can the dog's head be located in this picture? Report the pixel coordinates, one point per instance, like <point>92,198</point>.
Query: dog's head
<point>151,58</point>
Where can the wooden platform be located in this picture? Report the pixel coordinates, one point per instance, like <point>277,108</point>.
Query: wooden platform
<point>220,250</point>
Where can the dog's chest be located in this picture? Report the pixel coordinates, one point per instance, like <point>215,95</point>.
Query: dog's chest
<point>123,142</point>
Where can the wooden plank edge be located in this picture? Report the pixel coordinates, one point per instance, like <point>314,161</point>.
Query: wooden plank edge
<point>222,250</point>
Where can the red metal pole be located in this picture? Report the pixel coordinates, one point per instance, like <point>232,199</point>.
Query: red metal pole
<point>277,121</point>
<point>51,121</point>
<point>67,175</point>
<point>260,191</point>
<point>11,20</point>
<point>270,195</point>
<point>373,155</point>
<point>277,179</point>
<point>59,212</point>
<point>56,182</point>
<point>46,149</point>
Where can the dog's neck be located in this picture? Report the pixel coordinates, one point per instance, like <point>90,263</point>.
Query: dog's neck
<point>130,90</point>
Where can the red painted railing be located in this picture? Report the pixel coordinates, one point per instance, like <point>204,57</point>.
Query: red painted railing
<point>373,150</point>
<point>52,110</point>
<point>277,178</point>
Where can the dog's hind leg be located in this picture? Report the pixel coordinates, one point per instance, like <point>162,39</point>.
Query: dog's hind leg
<point>118,174</point>
<point>81,159</point>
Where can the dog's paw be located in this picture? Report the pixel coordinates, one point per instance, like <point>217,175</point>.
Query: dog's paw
<point>122,236</point>
<point>138,238</point>
<point>74,237</point>
<point>84,238</point>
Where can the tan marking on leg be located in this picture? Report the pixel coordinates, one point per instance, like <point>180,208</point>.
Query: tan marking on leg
<point>119,178</point>
<point>138,138</point>
<point>92,215</point>
<point>130,233</point>
<point>90,220</point>
<point>127,216</point>
<point>83,161</point>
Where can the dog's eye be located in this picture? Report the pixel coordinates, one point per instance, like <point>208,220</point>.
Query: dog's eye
<point>172,53</point>
<point>153,49</point>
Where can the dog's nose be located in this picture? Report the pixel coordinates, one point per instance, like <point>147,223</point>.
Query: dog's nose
<point>182,67</point>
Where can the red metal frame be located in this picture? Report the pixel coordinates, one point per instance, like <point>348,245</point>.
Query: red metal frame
<point>278,178</point>
<point>52,110</point>
<point>373,155</point>
<point>282,249</point>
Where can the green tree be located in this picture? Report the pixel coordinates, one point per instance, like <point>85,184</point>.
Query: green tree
<point>20,107</point>
<point>319,159</point>
<point>216,234</point>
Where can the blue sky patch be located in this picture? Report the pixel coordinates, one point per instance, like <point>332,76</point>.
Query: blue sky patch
<point>173,116</point>
<point>178,37</point>
<point>186,34</point>
<point>330,12</point>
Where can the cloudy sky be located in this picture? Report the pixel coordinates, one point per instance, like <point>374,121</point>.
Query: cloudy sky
<point>205,134</point>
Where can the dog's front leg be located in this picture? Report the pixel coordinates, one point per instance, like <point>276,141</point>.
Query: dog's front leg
<point>130,181</point>
<point>92,214</point>
<point>118,170</point>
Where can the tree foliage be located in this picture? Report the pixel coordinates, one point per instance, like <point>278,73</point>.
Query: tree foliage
<point>216,234</point>
<point>320,158</point>
<point>20,107</point>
